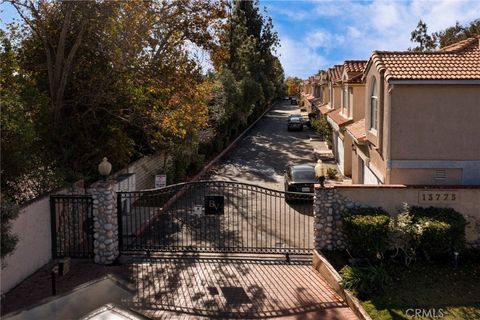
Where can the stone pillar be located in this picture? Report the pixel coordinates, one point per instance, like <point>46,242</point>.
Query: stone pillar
<point>327,209</point>
<point>105,246</point>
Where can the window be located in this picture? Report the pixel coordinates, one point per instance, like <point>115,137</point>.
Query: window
<point>374,106</point>
<point>350,102</point>
<point>345,101</point>
<point>330,89</point>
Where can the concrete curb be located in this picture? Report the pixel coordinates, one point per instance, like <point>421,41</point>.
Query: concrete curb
<point>334,280</point>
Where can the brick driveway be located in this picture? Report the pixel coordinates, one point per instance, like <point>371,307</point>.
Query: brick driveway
<point>206,288</point>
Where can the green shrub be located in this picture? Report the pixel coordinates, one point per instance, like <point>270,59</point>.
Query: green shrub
<point>9,212</point>
<point>365,282</point>
<point>181,166</point>
<point>323,128</point>
<point>405,235</point>
<point>366,231</point>
<point>196,164</point>
<point>443,230</point>
<point>332,173</point>
<point>217,145</point>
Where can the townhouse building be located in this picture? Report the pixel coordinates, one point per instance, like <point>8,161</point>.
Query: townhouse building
<point>351,95</point>
<point>422,115</point>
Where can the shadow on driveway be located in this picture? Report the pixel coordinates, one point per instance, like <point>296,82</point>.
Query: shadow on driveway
<point>234,288</point>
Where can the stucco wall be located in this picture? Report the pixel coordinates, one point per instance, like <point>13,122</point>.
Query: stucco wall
<point>436,122</point>
<point>337,92</point>
<point>358,102</point>
<point>425,176</point>
<point>145,170</point>
<point>379,141</point>
<point>467,201</point>
<point>355,168</point>
<point>34,248</point>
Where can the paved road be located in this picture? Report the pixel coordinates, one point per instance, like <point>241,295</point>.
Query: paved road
<point>253,219</point>
<point>262,156</point>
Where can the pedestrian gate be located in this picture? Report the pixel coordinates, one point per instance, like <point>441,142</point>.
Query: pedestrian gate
<point>72,226</point>
<point>215,216</point>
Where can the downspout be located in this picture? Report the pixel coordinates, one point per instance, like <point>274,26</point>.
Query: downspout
<point>380,122</point>
<point>381,113</point>
<point>388,161</point>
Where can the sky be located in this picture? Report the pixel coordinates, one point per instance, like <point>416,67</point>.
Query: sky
<point>315,35</point>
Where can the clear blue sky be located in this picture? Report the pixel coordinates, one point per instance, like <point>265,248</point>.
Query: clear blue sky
<point>317,34</point>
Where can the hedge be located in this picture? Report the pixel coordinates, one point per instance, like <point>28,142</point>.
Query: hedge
<point>443,230</point>
<point>367,231</point>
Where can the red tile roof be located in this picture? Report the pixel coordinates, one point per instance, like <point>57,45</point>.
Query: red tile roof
<point>324,108</point>
<point>460,61</point>
<point>460,45</point>
<point>338,118</point>
<point>354,70</point>
<point>354,65</point>
<point>335,73</point>
<point>357,130</point>
<point>317,101</point>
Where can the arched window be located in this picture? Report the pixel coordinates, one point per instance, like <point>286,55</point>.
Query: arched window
<point>374,105</point>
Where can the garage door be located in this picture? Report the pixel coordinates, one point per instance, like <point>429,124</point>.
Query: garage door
<point>340,154</point>
<point>369,177</point>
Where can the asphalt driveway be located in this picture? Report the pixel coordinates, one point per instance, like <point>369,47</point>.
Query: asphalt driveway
<point>261,157</point>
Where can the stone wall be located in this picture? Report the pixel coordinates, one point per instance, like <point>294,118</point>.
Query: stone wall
<point>328,206</point>
<point>330,202</point>
<point>105,245</point>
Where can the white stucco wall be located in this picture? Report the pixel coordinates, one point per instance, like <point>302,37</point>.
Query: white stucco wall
<point>34,247</point>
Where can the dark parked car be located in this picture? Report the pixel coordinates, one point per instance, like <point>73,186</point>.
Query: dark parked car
<point>293,101</point>
<point>295,122</point>
<point>299,178</point>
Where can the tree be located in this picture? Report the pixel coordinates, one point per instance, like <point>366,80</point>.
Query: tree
<point>126,84</point>
<point>425,41</point>
<point>457,33</point>
<point>118,78</point>
<point>444,37</point>
<point>24,174</point>
<point>59,51</point>
<point>9,212</point>
<point>293,86</point>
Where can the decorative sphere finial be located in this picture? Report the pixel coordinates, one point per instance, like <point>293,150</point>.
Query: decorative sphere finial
<point>104,168</point>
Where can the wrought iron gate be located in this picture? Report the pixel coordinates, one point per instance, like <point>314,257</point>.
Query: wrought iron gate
<point>72,226</point>
<point>215,216</point>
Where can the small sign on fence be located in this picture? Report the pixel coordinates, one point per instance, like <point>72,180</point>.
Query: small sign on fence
<point>214,205</point>
<point>160,181</point>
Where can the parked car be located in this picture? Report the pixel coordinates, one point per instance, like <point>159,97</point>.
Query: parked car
<point>295,122</point>
<point>299,178</point>
<point>293,101</point>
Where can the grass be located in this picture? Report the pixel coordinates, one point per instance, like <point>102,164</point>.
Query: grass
<point>435,287</point>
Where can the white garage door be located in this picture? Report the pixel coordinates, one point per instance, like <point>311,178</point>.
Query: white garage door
<point>340,154</point>
<point>369,177</point>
